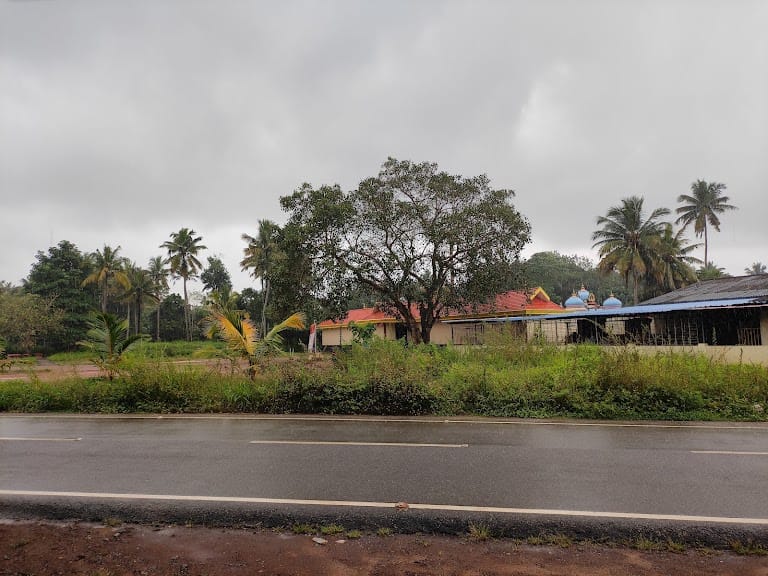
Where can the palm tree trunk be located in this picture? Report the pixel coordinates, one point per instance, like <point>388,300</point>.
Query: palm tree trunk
<point>157,330</point>
<point>187,323</point>
<point>265,293</point>
<point>706,246</point>
<point>634,286</point>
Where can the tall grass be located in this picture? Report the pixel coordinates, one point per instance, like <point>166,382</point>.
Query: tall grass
<point>508,378</point>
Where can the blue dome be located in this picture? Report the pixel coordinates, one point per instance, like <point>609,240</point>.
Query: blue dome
<point>574,302</point>
<point>583,293</point>
<point>612,302</point>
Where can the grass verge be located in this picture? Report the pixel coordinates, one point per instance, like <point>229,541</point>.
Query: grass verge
<point>509,379</point>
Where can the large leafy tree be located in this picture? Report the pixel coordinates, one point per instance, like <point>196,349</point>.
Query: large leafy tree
<point>57,275</point>
<point>107,273</point>
<point>702,208</point>
<point>26,320</point>
<point>422,240</point>
<point>173,318</point>
<point>215,277</point>
<point>158,273</point>
<point>559,275</point>
<point>183,248</point>
<point>259,257</point>
<point>626,240</point>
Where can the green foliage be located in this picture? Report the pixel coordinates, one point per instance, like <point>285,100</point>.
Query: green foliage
<point>626,240</point>
<point>424,241</point>
<point>27,321</point>
<point>107,338</point>
<point>711,272</point>
<point>108,273</point>
<point>215,277</point>
<point>57,276</point>
<point>506,378</point>
<point>560,275</point>
<point>183,248</point>
<point>362,333</point>
<point>701,208</point>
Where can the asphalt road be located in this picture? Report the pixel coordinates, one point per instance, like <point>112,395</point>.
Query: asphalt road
<point>650,474</point>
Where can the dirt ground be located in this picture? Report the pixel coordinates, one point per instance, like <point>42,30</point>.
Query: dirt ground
<point>41,548</point>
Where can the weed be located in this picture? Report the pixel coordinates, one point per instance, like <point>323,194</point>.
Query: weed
<point>545,539</point>
<point>384,532</point>
<point>751,548</point>
<point>646,544</point>
<point>479,532</point>
<point>331,529</point>
<point>354,534</point>
<point>676,547</point>
<point>303,529</point>
<point>113,522</point>
<point>19,544</point>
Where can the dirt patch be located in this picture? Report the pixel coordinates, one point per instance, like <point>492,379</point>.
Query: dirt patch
<point>87,549</point>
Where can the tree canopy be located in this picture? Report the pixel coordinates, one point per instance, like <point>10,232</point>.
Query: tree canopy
<point>422,240</point>
<point>58,275</point>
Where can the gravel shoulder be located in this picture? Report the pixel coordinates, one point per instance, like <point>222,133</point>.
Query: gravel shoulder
<point>112,549</point>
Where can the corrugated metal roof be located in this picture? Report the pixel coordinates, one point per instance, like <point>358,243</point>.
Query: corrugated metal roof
<point>642,310</point>
<point>755,286</point>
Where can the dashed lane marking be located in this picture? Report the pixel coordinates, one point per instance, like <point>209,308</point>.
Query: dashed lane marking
<point>32,439</point>
<point>729,452</point>
<point>340,443</point>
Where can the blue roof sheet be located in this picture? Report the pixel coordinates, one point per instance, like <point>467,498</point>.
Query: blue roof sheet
<point>631,310</point>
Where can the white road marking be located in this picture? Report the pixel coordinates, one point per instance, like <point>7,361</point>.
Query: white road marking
<point>729,452</point>
<point>31,439</point>
<point>411,506</point>
<point>329,443</point>
<point>257,417</point>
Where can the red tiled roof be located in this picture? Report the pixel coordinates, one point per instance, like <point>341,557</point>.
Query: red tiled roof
<point>512,303</point>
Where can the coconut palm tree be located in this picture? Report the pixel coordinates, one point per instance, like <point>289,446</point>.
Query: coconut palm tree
<point>242,337</point>
<point>755,269</point>
<point>183,248</point>
<point>108,338</point>
<point>156,268</point>
<point>259,257</point>
<point>711,271</point>
<point>626,240</point>
<point>108,269</point>
<point>701,208</point>
<point>672,264</point>
<point>141,291</point>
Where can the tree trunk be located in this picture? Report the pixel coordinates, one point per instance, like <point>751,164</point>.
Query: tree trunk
<point>265,301</point>
<point>634,286</point>
<point>187,321</point>
<point>706,245</point>
<point>157,332</point>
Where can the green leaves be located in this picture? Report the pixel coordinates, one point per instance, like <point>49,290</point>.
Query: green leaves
<point>108,339</point>
<point>420,239</point>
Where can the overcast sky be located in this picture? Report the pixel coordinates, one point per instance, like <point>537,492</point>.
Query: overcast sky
<point>123,121</point>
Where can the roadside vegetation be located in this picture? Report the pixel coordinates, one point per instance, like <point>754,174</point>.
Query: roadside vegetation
<point>509,378</point>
